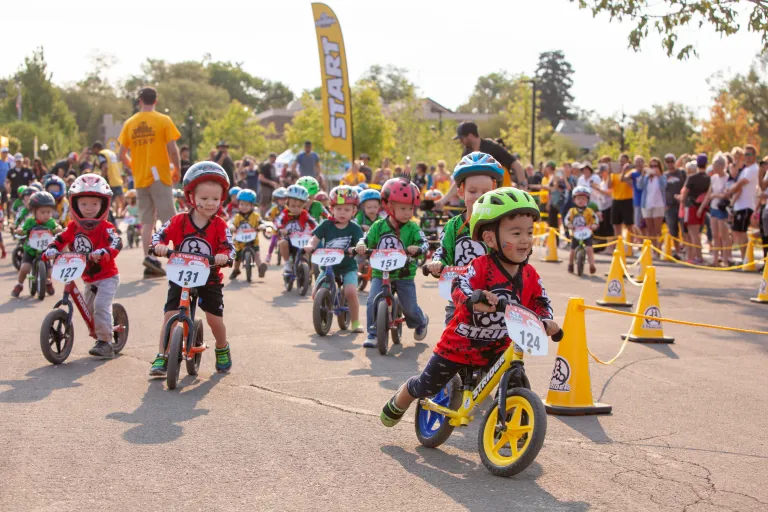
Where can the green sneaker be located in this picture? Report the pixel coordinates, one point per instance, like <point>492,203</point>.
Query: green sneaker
<point>223,359</point>
<point>159,366</point>
<point>391,414</point>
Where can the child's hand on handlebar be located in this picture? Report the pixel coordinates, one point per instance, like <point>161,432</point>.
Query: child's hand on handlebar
<point>551,327</point>
<point>220,259</point>
<point>412,250</point>
<point>161,250</point>
<point>435,267</point>
<point>95,257</point>
<point>360,249</point>
<point>492,299</point>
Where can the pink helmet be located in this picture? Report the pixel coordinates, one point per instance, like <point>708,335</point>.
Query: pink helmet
<point>91,185</point>
<point>399,190</point>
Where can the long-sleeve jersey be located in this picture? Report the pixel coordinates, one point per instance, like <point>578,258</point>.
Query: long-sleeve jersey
<point>212,239</point>
<point>102,239</point>
<point>295,223</point>
<point>382,235</point>
<point>32,224</point>
<point>456,246</point>
<point>478,338</point>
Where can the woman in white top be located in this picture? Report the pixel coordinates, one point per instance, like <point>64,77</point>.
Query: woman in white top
<point>590,180</point>
<point>653,185</point>
<point>721,235</point>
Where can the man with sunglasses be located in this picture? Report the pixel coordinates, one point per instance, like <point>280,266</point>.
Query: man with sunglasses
<point>745,203</point>
<point>675,181</point>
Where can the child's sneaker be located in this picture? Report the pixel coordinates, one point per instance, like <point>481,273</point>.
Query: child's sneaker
<point>102,349</point>
<point>570,268</point>
<point>223,359</point>
<point>159,366</point>
<point>370,342</point>
<point>49,288</point>
<point>17,290</point>
<point>391,414</point>
<point>421,332</point>
<point>234,273</point>
<point>356,327</point>
<point>262,269</point>
<point>288,267</point>
<point>592,269</point>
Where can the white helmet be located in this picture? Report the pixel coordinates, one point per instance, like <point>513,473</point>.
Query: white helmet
<point>297,192</point>
<point>89,185</point>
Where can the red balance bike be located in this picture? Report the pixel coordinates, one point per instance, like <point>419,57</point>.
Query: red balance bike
<point>388,313</point>
<point>57,333</point>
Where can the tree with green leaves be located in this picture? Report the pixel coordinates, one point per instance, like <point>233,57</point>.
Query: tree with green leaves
<point>554,80</point>
<point>672,128</point>
<point>392,82</point>
<point>237,127</point>
<point>751,90</point>
<point>491,94</point>
<point>517,115</point>
<point>672,18</point>
<point>373,133</point>
<point>637,141</point>
<point>257,93</point>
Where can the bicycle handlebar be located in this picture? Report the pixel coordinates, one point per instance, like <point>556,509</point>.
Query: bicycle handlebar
<point>479,297</point>
<point>211,259</point>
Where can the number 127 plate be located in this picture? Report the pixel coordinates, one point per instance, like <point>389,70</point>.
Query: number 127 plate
<point>68,267</point>
<point>526,330</point>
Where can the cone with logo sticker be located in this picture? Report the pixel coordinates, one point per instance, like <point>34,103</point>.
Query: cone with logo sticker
<point>749,257</point>
<point>570,388</point>
<point>762,293</point>
<point>644,330</point>
<point>614,286</point>
<point>551,256</point>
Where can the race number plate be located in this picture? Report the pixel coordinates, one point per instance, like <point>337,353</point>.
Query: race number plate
<point>245,235</point>
<point>388,260</point>
<point>526,330</point>
<point>300,240</point>
<point>582,233</point>
<point>129,220</point>
<point>327,257</point>
<point>68,266</point>
<point>187,270</point>
<point>446,280</point>
<point>39,239</point>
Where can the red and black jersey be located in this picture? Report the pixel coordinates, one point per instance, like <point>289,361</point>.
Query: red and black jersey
<point>295,223</point>
<point>212,239</point>
<point>103,239</point>
<point>478,338</point>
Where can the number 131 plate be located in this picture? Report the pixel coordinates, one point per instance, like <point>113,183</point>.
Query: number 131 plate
<point>187,270</point>
<point>68,267</point>
<point>526,330</point>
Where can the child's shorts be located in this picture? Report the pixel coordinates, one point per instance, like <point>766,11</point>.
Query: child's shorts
<point>349,278</point>
<point>210,298</point>
<point>587,243</point>
<point>27,258</point>
<point>239,251</point>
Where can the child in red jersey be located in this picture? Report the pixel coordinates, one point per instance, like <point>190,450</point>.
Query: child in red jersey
<point>293,219</point>
<point>199,231</point>
<point>90,233</point>
<point>476,335</point>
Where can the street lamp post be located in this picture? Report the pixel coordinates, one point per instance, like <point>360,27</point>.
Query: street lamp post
<point>189,127</point>
<point>533,122</point>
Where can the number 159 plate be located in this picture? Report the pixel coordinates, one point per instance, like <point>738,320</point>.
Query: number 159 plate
<point>187,270</point>
<point>526,330</point>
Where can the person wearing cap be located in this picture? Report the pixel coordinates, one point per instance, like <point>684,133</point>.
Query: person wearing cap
<point>745,202</point>
<point>111,170</point>
<point>151,139</point>
<point>691,198</point>
<point>224,160</point>
<point>309,164</point>
<point>675,180</point>
<point>19,176</point>
<point>66,167</point>
<point>365,168</point>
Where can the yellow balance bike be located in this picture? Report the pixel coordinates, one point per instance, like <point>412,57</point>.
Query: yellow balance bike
<point>513,430</point>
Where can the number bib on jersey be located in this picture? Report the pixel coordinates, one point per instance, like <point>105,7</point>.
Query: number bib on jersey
<point>188,270</point>
<point>327,257</point>
<point>39,239</point>
<point>446,280</point>
<point>300,240</point>
<point>68,266</point>
<point>526,330</point>
<point>388,260</point>
<point>245,235</point>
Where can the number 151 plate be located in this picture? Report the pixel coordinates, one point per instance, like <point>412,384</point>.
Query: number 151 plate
<point>68,267</point>
<point>187,270</point>
<point>526,330</point>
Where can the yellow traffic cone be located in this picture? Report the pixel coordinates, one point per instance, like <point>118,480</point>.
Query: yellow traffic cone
<point>614,286</point>
<point>628,249</point>
<point>749,257</point>
<point>646,260</point>
<point>664,229</point>
<point>762,293</point>
<point>667,246</point>
<point>570,388</point>
<point>621,248</point>
<point>644,330</point>
<point>551,256</point>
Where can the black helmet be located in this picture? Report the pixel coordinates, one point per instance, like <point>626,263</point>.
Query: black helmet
<point>41,199</point>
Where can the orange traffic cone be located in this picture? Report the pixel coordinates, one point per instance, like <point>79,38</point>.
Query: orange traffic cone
<point>614,286</point>
<point>749,257</point>
<point>570,389</point>
<point>644,330</point>
<point>551,256</point>
<point>646,260</point>
<point>762,293</point>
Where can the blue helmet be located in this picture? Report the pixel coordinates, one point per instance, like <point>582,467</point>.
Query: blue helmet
<point>279,193</point>
<point>234,191</point>
<point>297,192</point>
<point>368,195</point>
<point>55,180</point>
<point>477,164</point>
<point>362,186</point>
<point>247,195</point>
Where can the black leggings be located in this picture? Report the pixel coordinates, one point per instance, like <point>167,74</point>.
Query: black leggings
<point>434,377</point>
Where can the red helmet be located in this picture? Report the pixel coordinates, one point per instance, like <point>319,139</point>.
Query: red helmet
<point>321,196</point>
<point>201,172</point>
<point>91,185</point>
<point>399,190</point>
<point>344,194</point>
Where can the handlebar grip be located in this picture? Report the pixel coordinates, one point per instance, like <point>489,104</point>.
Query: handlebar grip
<point>558,336</point>
<point>425,270</point>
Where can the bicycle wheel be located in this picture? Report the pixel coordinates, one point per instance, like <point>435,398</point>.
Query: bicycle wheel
<point>129,236</point>
<point>56,336</point>
<point>175,353</point>
<point>248,263</point>
<point>288,283</point>
<point>119,317</point>
<point>345,317</point>
<point>382,327</point>
<point>432,428</point>
<point>193,363</point>
<point>508,452</point>
<point>581,255</point>
<point>303,277</point>
<point>41,272</point>
<point>397,312</point>
<point>18,254</point>
<point>322,311</point>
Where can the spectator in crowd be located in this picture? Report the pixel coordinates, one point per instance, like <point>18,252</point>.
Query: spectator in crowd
<point>308,164</point>
<point>39,169</point>
<point>185,160</point>
<point>224,160</point>
<point>365,168</point>
<point>675,180</point>
<point>604,200</point>
<point>84,162</point>
<point>763,183</point>
<point>546,178</point>
<point>691,198</point>
<point>713,201</point>
<point>18,176</point>
<point>557,191</point>
<point>67,167</point>
<point>381,176</point>
<point>590,180</point>
<point>653,185</point>
<point>268,183</point>
<point>111,170</point>
<point>637,195</point>
<point>743,195</point>
<point>441,179</point>
<point>353,177</point>
<point>421,178</point>
<point>622,211</point>
<point>251,174</point>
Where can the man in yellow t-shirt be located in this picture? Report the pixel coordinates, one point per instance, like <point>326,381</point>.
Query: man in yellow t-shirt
<point>151,139</point>
<point>109,167</point>
<point>622,211</point>
<point>354,177</point>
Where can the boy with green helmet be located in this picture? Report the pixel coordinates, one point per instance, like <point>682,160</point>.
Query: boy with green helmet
<point>476,335</point>
<point>316,209</point>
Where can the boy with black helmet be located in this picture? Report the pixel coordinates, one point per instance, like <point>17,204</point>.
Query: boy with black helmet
<point>503,220</point>
<point>41,205</point>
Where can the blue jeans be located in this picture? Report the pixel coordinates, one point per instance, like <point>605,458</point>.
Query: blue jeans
<point>406,293</point>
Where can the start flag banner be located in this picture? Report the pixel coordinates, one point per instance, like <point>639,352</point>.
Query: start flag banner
<point>336,95</point>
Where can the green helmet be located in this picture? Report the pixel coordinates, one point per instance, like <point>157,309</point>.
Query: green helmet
<point>21,190</point>
<point>496,204</point>
<point>309,183</point>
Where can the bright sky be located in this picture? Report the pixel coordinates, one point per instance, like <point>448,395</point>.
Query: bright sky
<point>444,44</point>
